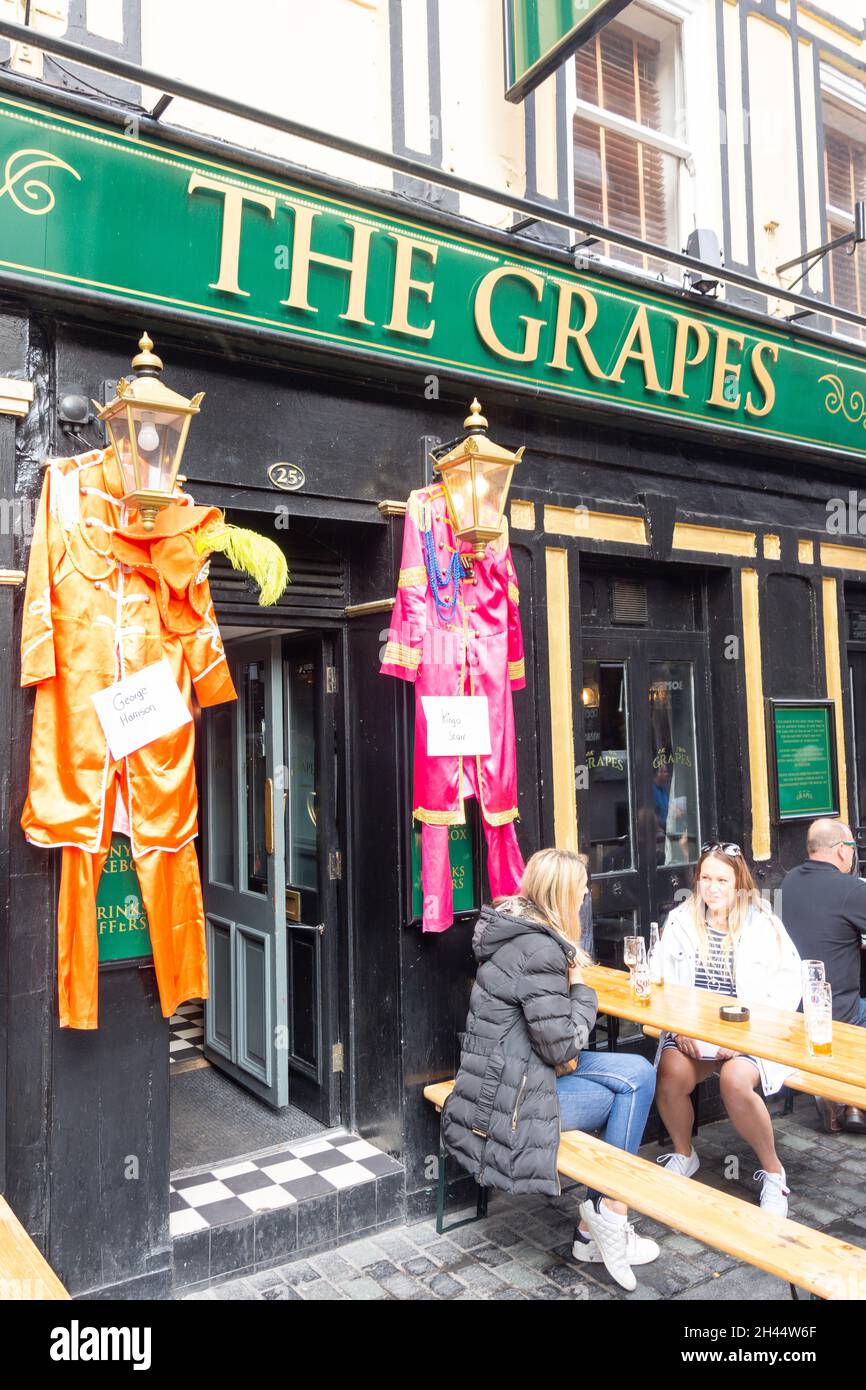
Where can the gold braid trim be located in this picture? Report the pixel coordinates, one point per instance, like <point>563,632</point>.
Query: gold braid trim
<point>415,574</point>
<point>398,655</point>
<point>513,593</point>
<point>500,817</point>
<point>517,670</point>
<point>439,817</point>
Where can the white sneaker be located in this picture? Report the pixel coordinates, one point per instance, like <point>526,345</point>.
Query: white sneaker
<point>611,1239</point>
<point>684,1164</point>
<point>774,1193</point>
<point>639,1249</point>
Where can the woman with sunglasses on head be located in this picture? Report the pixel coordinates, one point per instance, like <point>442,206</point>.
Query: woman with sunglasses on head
<point>725,939</point>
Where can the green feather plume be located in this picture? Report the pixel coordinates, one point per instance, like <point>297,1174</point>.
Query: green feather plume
<point>245,550</point>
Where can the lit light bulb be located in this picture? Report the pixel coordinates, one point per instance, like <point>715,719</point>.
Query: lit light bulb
<point>148,435</point>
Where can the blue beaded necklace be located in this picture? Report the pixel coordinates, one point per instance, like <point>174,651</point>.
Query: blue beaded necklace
<point>438,581</point>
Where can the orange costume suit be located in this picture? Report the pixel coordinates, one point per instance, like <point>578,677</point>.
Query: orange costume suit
<point>99,607</point>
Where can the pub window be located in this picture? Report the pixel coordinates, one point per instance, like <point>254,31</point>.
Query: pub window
<point>627,150</point>
<point>845,183</point>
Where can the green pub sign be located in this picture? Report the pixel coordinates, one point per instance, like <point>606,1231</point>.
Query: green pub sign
<point>121,921</point>
<point>337,273</point>
<point>803,738</point>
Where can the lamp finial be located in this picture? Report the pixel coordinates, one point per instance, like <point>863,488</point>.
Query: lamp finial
<point>146,362</point>
<point>475,422</point>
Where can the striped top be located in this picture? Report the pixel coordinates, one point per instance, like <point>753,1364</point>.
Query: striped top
<point>718,973</point>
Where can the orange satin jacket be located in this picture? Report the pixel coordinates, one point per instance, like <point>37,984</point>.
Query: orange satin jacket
<point>90,619</point>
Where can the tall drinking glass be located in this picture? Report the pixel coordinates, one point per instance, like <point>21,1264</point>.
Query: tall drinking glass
<point>813,972</point>
<point>631,946</point>
<point>818,1009</point>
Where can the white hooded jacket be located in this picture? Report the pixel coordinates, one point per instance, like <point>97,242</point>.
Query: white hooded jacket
<point>766,970</point>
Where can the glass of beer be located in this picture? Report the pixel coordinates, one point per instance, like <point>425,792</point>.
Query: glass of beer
<point>631,946</point>
<point>818,1008</point>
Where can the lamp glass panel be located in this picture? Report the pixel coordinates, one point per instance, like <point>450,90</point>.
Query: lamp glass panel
<point>491,486</point>
<point>118,429</point>
<point>458,481</point>
<point>157,435</point>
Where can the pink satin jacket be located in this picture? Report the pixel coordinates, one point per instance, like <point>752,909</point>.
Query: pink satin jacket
<point>478,652</point>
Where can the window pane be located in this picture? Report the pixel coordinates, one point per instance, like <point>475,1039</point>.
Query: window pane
<point>586,71</point>
<point>674,762</point>
<point>648,99</point>
<point>302,808</point>
<point>220,856</point>
<point>607,758</point>
<point>253,685</point>
<point>623,183</point>
<point>618,180</point>
<point>618,87</point>
<point>845,173</point>
<point>587,171</point>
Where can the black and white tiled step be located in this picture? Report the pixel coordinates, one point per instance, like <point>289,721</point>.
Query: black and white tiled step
<point>256,1211</point>
<point>186,1036</point>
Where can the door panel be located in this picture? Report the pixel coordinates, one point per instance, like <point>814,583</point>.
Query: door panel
<point>219,951</point>
<point>244,880</point>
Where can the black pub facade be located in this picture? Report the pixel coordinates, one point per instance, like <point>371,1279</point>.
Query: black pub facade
<point>687,542</point>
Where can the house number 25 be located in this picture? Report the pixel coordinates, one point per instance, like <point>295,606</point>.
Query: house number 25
<point>287,476</point>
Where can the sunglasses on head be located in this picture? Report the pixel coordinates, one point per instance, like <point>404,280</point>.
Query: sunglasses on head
<point>733,851</point>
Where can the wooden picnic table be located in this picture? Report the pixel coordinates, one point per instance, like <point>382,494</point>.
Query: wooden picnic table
<point>777,1035</point>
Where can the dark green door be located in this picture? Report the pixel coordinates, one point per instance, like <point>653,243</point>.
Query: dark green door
<point>273,874</point>
<point>246,1015</point>
<point>314,874</point>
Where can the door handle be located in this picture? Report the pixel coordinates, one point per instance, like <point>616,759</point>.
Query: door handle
<point>269,816</point>
<point>306,926</point>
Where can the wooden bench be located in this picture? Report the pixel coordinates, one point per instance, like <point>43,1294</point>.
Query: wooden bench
<point>823,1265</point>
<point>24,1273</point>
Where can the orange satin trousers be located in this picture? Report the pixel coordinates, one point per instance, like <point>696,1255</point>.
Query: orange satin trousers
<point>171,893</point>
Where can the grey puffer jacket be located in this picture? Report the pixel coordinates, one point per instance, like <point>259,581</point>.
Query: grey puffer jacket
<point>501,1121</point>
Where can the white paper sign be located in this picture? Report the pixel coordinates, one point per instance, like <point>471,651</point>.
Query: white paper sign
<point>141,708</point>
<point>456,724</point>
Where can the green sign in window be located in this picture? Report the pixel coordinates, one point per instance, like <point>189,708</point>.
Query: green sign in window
<point>121,921</point>
<point>804,747</point>
<point>460,842</point>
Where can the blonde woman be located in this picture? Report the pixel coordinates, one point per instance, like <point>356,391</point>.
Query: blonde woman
<point>723,938</point>
<point>524,1072</point>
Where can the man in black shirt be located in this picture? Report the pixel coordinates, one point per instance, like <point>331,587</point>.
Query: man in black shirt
<point>824,911</point>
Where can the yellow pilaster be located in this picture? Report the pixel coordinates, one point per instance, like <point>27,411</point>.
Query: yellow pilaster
<point>561,714</point>
<point>755,721</point>
<point>833,671</point>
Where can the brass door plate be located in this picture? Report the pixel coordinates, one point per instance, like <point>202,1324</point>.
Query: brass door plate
<point>293,905</point>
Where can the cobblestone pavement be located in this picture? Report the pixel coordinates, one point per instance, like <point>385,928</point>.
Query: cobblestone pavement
<point>523,1249</point>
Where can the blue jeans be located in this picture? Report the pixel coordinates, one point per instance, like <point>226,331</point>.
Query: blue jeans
<point>859,1019</point>
<point>610,1089</point>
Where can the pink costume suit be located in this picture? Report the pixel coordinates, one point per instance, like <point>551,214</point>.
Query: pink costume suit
<point>478,651</point>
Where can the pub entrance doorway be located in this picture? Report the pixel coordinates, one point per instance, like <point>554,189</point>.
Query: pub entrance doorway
<point>647,773</point>
<point>262,1067</point>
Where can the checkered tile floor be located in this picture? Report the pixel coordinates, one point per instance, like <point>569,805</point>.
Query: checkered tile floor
<point>186,1034</point>
<point>285,1176</point>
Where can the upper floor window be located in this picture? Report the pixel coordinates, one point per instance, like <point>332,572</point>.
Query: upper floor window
<point>627,149</point>
<point>845,182</point>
